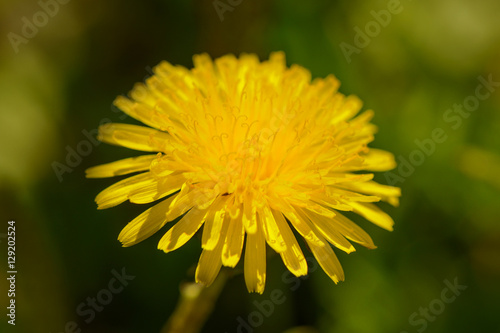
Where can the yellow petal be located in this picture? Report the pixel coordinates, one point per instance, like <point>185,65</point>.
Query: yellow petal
<point>182,231</point>
<point>298,223</point>
<point>209,266</point>
<point>327,229</point>
<point>363,118</point>
<point>213,224</point>
<point>162,166</point>
<point>326,88</point>
<point>378,160</point>
<point>119,192</point>
<point>144,113</point>
<point>233,245</point>
<point>234,208</point>
<point>166,83</point>
<point>255,262</point>
<point>145,224</point>
<point>203,65</point>
<point>271,230</point>
<point>210,261</point>
<point>335,178</point>
<point>292,257</point>
<point>249,216</point>
<point>147,194</point>
<point>352,231</point>
<point>134,137</point>
<point>141,93</point>
<point>187,198</point>
<point>373,160</point>
<point>330,202</point>
<point>389,194</point>
<point>158,189</point>
<point>345,195</point>
<point>328,261</point>
<point>303,227</point>
<point>348,108</point>
<point>320,210</point>
<point>373,214</point>
<point>121,167</point>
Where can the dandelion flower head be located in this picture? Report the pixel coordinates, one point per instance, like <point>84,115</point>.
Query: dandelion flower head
<point>250,153</point>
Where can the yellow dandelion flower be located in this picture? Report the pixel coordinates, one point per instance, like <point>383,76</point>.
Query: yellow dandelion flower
<point>248,150</point>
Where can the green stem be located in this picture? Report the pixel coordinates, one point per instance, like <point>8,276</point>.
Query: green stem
<point>195,305</point>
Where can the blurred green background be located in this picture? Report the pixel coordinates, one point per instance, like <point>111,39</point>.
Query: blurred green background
<point>58,84</point>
